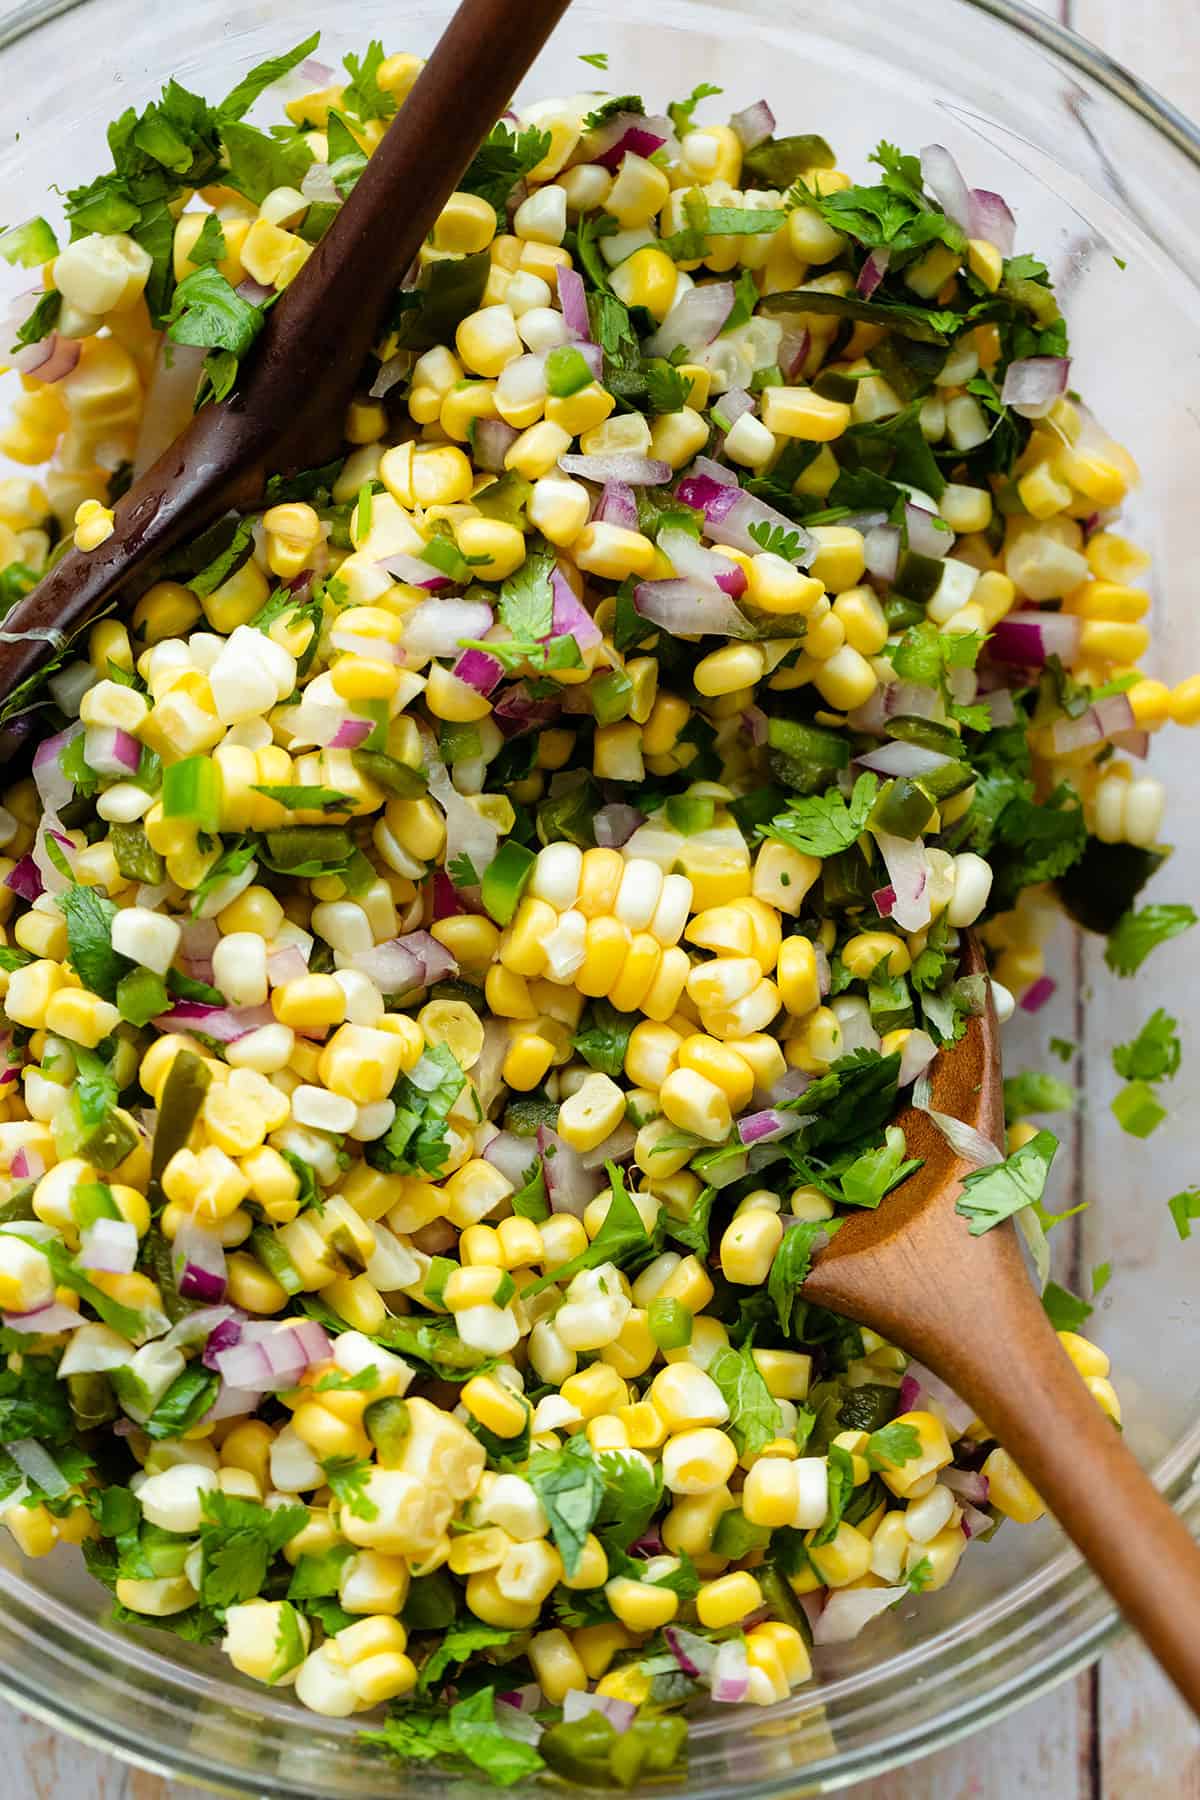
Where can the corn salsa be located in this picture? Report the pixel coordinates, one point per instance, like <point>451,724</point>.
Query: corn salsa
<point>470,924</point>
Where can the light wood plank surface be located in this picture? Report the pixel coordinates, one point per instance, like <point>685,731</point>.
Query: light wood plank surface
<point>1112,1734</point>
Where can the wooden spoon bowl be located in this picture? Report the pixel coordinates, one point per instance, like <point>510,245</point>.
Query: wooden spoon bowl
<point>966,1306</point>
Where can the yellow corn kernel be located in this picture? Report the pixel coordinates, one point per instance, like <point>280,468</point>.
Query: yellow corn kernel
<point>748,1246</point>
<point>865,953</point>
<point>527,1061</point>
<point>719,1064</point>
<point>799,984</point>
<point>495,1407</point>
<point>640,1605</point>
<point>845,1558</point>
<point>647,278</point>
<point>799,412</point>
<point>934,1454</point>
<point>580,412</point>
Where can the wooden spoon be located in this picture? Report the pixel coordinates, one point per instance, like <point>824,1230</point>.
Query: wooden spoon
<point>287,410</point>
<point>965,1306</point>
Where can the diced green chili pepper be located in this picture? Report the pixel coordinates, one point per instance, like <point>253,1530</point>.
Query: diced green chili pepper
<point>834,386</point>
<point>566,371</point>
<point>505,500</point>
<point>191,790</point>
<point>179,1107</point>
<point>141,996</point>
<point>92,1400</point>
<point>930,734</point>
<point>505,880</point>
<point>135,857</point>
<point>29,244</point>
<point>670,1323</point>
<point>275,1259</point>
<point>690,813</point>
<point>918,577</point>
<point>388,1425</point>
<point>901,613</point>
<point>902,809</point>
<point>93,1200</point>
<point>579,1749</point>
<point>390,773</point>
<point>1138,1110</point>
<point>610,696</point>
<point>306,847</point>
<point>735,1536</point>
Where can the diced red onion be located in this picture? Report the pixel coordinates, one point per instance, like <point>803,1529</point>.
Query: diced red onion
<point>46,1320</point>
<point>617,506</point>
<point>479,670</point>
<point>849,1610</point>
<point>571,617</point>
<point>615,824</point>
<point>824,974</point>
<point>231,1403</point>
<point>1037,994</point>
<point>403,963</point>
<point>617,1147</point>
<point>288,964</point>
<point>708,495</point>
<point>958,1414</point>
<point>1001,708</point>
<point>515,711</point>
<point>746,511</point>
<point>912,700</point>
<point>970,1485</point>
<point>110,1245</point>
<point>572,297</point>
<point>437,627</point>
<point>1034,383</point>
<point>1134,743</point>
<point>924,536</point>
<point>253,291</point>
<point>730,1673</point>
<point>973,1521</point>
<point>54,789</point>
<point>198,1259</point>
<point>275,1358</point>
<point>908,873</point>
<point>50,358</point>
<point>694,1654</point>
<point>790,1084</point>
<point>971,1145</point>
<point>694,321</point>
<point>794,346</point>
<point>110,751</point>
<point>25,879</point>
<point>753,125</point>
<point>467,833</point>
<point>1027,638</point>
<point>903,759</point>
<point>873,271</point>
<point>635,140</point>
<point>27,1165</point>
<point>943,177</point>
<point>37,1465</point>
<point>916,1055</point>
<point>511,1154</point>
<point>1102,720</point>
<point>493,441</point>
<point>315,71</point>
<point>687,607</point>
<point>223,1023</point>
<point>223,1336</point>
<point>767,1126</point>
<point>578,1703</point>
<point>881,549</point>
<point>350,734</point>
<point>989,217</point>
<point>569,1185</point>
<point>696,562</point>
<point>393,371</point>
<point>621,465</point>
<point>414,572</point>
<point>735,402</point>
<point>755,725</point>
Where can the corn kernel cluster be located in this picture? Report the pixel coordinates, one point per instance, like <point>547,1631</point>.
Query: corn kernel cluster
<point>416,950</point>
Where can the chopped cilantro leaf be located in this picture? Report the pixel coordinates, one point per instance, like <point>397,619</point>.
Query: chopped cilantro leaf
<point>1154,1054</point>
<point>1033,1092</point>
<point>1183,1208</point>
<point>1138,933</point>
<point>823,824</point>
<point>1065,1311</point>
<point>990,1195</point>
<point>503,159</point>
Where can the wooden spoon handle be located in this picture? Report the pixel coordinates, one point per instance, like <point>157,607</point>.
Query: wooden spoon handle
<point>287,411</point>
<point>1008,1364</point>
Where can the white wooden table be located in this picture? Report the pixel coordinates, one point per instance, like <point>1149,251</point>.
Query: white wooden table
<point>1114,1733</point>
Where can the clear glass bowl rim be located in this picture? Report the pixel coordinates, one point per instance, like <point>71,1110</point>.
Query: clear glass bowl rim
<point>1062,1584</point>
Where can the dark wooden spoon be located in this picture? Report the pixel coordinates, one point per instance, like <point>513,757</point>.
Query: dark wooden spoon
<point>288,408</point>
<point>966,1306</point>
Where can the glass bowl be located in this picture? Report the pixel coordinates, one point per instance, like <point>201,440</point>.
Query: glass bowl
<point>1105,181</point>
